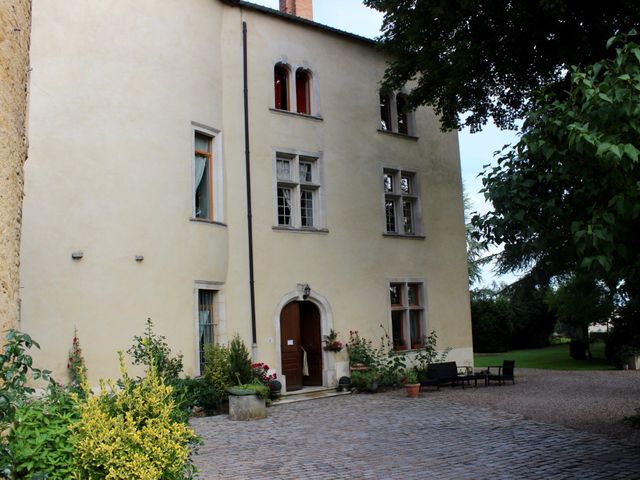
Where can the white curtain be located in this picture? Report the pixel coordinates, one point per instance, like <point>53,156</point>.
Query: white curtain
<point>200,163</point>
<point>205,332</point>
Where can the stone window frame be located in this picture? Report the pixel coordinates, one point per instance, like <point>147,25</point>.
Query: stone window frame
<point>217,215</point>
<point>393,115</point>
<point>297,185</point>
<point>405,309</point>
<point>399,197</point>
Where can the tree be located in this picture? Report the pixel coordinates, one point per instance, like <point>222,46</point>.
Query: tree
<point>487,57</point>
<point>475,248</point>
<point>566,198</point>
<point>579,302</point>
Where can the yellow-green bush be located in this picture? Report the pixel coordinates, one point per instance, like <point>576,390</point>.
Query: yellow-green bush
<point>132,431</point>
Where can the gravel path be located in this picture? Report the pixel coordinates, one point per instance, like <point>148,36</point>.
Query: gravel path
<point>594,401</point>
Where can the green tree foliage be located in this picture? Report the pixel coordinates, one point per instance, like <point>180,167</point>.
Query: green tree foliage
<point>566,198</point>
<point>239,361</point>
<point>533,322</point>
<point>580,301</point>
<point>487,57</point>
<point>475,248</point>
<point>491,320</point>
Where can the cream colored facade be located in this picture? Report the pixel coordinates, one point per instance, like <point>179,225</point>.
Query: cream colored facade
<point>118,89</point>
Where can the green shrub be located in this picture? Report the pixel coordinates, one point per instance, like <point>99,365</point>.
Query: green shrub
<point>155,347</point>
<point>198,392</point>
<point>16,365</point>
<point>133,432</point>
<point>360,350</point>
<point>217,370</point>
<point>239,361</point>
<point>38,443</point>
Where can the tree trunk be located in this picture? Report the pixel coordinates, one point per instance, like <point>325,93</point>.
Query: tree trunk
<point>15,28</point>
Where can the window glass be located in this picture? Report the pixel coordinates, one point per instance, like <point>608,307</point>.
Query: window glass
<point>284,206</point>
<point>397,330</point>
<point>415,324</point>
<point>203,203</point>
<point>281,85</point>
<point>407,216</point>
<point>390,214</point>
<point>306,208</point>
<point>413,294</point>
<point>405,184</point>
<point>303,91</point>
<point>283,168</point>
<point>395,295</point>
<point>385,112</point>
<point>205,322</point>
<point>388,182</point>
<point>403,125</point>
<point>305,172</point>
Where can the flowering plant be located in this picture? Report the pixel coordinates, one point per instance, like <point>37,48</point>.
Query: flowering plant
<point>75,364</point>
<point>332,344</point>
<point>261,373</point>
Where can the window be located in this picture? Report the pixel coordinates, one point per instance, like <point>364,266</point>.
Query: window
<point>203,176</point>
<point>303,91</point>
<point>385,112</point>
<point>281,86</point>
<point>406,300</point>
<point>395,115</point>
<point>401,202</point>
<point>205,322</point>
<point>403,120</point>
<point>298,189</point>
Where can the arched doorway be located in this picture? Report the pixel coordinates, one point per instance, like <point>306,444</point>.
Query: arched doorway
<point>301,345</point>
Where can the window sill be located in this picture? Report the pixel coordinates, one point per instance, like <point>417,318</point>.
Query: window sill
<point>406,236</point>
<point>280,228</point>
<point>296,114</point>
<point>400,135</point>
<point>210,222</point>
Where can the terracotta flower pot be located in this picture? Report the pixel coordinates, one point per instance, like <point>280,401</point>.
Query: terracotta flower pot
<point>412,389</point>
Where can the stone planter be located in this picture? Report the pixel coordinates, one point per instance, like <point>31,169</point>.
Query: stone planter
<point>246,407</point>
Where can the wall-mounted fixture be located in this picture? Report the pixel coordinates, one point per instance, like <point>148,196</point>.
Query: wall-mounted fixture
<point>77,255</point>
<point>306,292</point>
<point>139,258</point>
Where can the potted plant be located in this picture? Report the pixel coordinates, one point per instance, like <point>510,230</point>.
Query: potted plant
<point>411,383</point>
<point>344,384</point>
<point>331,343</point>
<point>360,352</point>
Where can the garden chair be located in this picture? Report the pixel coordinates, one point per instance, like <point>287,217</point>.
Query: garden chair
<point>504,372</point>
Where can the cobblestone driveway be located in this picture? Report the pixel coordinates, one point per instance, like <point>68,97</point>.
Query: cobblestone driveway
<point>387,436</point>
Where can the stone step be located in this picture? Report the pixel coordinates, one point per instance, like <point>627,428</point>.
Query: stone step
<point>302,396</point>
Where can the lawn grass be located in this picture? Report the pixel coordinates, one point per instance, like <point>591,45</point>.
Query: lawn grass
<point>555,357</point>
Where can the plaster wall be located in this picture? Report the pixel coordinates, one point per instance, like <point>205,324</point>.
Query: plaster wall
<point>115,87</point>
<point>112,108</point>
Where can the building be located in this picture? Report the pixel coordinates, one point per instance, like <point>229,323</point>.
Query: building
<point>136,189</point>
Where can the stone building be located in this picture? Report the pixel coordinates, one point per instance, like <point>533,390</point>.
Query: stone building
<point>225,168</point>
<point>15,20</point>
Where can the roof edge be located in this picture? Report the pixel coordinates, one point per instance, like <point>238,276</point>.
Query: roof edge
<point>302,21</point>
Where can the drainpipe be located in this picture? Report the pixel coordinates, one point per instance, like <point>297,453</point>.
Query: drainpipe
<point>254,344</point>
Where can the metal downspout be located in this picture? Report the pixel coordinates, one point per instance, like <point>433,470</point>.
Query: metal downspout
<point>254,344</point>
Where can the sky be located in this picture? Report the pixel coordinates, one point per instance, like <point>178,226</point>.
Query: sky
<point>476,150</point>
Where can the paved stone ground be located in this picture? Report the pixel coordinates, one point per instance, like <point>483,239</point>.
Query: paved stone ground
<point>389,436</point>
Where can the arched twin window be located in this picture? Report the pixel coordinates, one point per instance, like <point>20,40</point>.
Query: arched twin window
<point>395,115</point>
<point>302,89</point>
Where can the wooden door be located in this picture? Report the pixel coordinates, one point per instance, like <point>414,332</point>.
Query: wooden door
<point>311,339</point>
<point>291,354</point>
